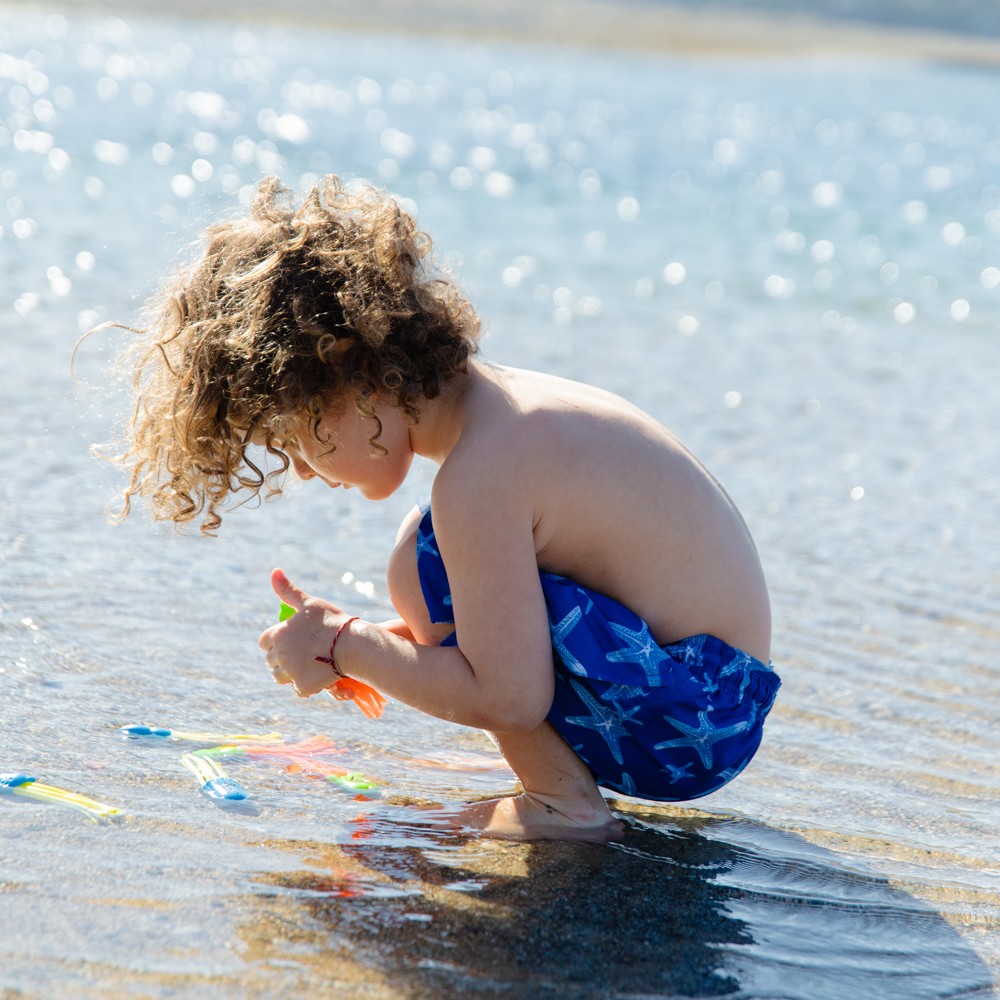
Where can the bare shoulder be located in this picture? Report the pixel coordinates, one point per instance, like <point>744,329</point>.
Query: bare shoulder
<point>499,440</point>
<point>530,441</point>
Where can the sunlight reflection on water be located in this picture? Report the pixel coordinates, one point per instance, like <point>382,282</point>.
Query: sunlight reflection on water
<point>799,268</point>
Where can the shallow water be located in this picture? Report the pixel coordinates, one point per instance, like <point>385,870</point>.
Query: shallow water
<point>795,266</point>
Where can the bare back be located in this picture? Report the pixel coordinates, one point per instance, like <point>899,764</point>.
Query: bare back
<point>620,505</point>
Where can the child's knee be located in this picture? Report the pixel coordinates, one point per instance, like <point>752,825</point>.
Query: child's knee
<point>403,580</point>
<point>405,591</point>
<point>401,573</point>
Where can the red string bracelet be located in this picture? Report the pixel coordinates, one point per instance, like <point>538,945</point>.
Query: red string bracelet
<point>333,645</point>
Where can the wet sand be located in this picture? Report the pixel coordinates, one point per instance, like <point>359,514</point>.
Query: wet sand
<point>545,919</point>
<point>610,24</point>
<point>657,915</point>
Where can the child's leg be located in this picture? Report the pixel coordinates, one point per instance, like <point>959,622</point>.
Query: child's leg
<point>560,798</point>
<point>404,586</point>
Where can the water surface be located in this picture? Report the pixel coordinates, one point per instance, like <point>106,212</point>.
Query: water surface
<point>795,266</point>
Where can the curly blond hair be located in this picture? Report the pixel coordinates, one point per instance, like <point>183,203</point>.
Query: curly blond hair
<point>289,311</point>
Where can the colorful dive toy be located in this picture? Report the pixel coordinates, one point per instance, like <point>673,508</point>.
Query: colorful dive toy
<point>214,781</point>
<point>350,781</point>
<point>366,698</point>
<point>299,757</point>
<point>21,784</point>
<point>159,732</point>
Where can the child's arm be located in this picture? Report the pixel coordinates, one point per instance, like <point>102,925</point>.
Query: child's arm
<point>500,676</point>
<point>397,627</point>
<point>509,689</point>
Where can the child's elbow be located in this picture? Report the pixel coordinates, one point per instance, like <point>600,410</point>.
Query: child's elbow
<point>515,715</point>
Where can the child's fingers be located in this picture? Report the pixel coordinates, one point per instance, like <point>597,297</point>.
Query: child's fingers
<point>287,591</point>
<point>266,640</point>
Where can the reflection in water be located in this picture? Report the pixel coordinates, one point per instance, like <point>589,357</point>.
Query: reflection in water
<point>686,909</point>
<point>646,918</point>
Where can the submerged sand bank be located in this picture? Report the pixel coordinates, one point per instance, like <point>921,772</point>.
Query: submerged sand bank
<point>617,24</point>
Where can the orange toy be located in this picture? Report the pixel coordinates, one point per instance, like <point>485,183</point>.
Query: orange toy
<point>366,698</point>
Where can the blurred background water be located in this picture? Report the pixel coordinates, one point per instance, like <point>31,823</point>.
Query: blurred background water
<point>970,17</point>
<point>794,264</point>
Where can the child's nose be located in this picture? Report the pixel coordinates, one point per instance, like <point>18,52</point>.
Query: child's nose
<point>302,470</point>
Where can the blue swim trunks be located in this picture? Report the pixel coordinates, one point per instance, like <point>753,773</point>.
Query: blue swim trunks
<point>668,723</point>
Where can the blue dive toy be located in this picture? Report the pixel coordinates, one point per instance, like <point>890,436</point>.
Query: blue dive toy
<point>162,733</point>
<point>214,781</point>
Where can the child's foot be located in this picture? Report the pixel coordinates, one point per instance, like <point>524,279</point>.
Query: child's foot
<point>530,816</point>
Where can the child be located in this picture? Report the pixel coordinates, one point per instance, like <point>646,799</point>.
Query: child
<point>579,585</point>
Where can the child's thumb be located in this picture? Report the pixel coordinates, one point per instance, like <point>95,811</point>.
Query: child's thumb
<point>287,591</point>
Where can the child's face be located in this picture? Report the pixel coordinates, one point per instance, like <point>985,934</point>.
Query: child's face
<point>339,451</point>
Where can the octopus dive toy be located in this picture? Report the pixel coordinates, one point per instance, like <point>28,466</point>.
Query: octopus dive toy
<point>214,781</point>
<point>21,784</point>
<point>366,698</point>
<point>298,758</point>
<point>350,781</point>
<point>161,733</point>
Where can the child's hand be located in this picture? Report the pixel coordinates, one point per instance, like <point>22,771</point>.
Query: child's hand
<point>291,647</point>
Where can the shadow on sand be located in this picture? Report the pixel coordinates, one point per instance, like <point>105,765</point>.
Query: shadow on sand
<point>682,907</point>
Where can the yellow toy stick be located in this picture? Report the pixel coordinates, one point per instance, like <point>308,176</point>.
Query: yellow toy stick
<point>29,788</point>
<point>173,734</point>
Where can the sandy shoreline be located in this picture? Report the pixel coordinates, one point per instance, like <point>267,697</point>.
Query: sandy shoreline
<point>607,24</point>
